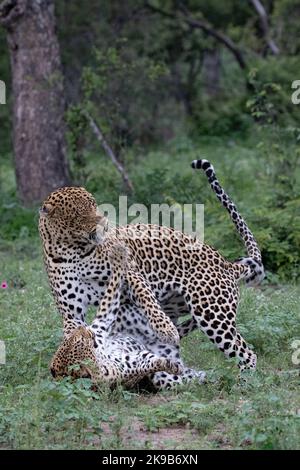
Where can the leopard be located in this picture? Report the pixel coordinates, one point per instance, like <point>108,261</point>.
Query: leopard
<point>123,361</point>
<point>110,357</point>
<point>173,274</point>
<point>72,232</point>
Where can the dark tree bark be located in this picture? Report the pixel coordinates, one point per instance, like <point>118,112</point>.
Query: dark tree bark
<point>38,98</point>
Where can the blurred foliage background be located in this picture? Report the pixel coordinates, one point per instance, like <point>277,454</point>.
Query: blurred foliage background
<point>165,82</point>
<point>164,91</point>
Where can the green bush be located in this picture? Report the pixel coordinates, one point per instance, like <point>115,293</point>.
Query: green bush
<point>220,116</point>
<point>17,222</point>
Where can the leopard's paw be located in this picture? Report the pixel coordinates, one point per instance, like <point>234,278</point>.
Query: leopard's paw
<point>173,367</point>
<point>165,329</point>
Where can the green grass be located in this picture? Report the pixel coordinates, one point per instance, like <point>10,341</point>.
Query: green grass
<point>262,412</point>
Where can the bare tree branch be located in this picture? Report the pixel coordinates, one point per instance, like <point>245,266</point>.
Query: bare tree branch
<point>204,26</point>
<point>109,151</point>
<point>10,11</point>
<point>260,10</point>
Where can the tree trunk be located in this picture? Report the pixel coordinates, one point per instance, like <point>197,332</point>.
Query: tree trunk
<point>38,98</point>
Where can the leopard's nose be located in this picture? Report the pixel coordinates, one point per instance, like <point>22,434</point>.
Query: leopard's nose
<point>86,375</point>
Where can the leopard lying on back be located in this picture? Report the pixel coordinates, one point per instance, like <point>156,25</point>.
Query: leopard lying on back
<point>108,355</point>
<point>171,272</point>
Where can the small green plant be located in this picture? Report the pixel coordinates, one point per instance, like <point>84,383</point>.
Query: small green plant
<point>261,105</point>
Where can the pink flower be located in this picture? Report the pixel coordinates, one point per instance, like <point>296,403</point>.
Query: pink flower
<point>4,285</point>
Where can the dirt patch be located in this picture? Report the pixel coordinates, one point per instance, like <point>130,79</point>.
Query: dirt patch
<point>219,438</point>
<point>154,400</point>
<point>136,435</point>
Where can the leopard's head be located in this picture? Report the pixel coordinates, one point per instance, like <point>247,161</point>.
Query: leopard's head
<point>70,215</point>
<point>75,356</point>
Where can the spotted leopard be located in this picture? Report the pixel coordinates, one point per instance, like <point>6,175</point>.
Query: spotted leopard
<point>107,354</point>
<point>172,273</point>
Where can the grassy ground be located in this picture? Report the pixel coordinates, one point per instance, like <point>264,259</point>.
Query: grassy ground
<point>36,412</point>
<point>262,412</point>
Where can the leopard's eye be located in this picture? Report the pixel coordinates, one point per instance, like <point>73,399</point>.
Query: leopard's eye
<point>43,210</point>
<point>46,209</point>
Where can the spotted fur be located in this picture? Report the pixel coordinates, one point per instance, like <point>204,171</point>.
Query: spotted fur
<point>170,273</point>
<point>107,355</point>
<point>254,261</point>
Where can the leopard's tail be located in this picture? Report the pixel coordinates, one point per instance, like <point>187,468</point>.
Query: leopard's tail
<point>254,272</point>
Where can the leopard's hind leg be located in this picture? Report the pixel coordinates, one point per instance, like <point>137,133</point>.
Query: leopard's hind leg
<point>187,327</point>
<point>214,308</point>
<point>137,366</point>
<point>164,380</point>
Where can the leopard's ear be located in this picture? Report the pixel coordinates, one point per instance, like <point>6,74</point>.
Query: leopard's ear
<point>47,209</point>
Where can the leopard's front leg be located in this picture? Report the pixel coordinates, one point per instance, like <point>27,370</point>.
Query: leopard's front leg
<point>72,306</point>
<point>141,294</point>
<point>110,302</point>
